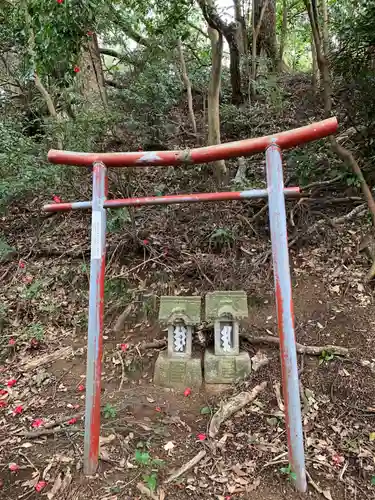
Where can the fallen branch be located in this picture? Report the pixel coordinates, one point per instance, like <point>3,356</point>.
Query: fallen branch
<point>48,427</point>
<point>360,210</point>
<point>187,466</point>
<point>301,349</point>
<point>48,358</point>
<point>322,183</point>
<point>232,406</point>
<point>49,432</point>
<point>155,344</point>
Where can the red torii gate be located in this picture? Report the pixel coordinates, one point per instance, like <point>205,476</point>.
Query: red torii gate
<point>275,192</point>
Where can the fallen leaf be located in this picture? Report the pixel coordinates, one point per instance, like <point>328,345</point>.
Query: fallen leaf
<point>150,400</point>
<point>56,487</point>
<point>169,446</point>
<point>26,445</point>
<point>106,439</point>
<point>327,494</point>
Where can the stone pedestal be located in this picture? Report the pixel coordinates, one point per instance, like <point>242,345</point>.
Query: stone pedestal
<point>177,372</point>
<point>226,369</point>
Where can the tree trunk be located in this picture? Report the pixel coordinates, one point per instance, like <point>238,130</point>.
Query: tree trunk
<point>267,32</point>
<point>213,99</point>
<point>187,83</point>
<point>284,28</point>
<point>229,31</point>
<point>240,26</point>
<point>341,152</point>
<point>93,82</point>
<point>257,24</point>
<point>234,66</point>
<point>315,69</point>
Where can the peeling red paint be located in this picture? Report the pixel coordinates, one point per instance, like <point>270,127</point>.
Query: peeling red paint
<point>284,359</point>
<point>284,140</point>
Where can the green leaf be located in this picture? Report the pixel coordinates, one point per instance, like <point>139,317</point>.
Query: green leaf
<point>109,411</point>
<point>151,481</point>
<point>373,480</point>
<point>206,410</point>
<point>142,457</point>
<point>293,476</point>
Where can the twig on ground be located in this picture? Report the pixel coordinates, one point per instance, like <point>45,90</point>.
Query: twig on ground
<point>325,493</point>
<point>127,271</point>
<point>47,358</point>
<point>49,425</point>
<point>49,432</point>
<point>312,350</point>
<point>232,406</point>
<point>187,466</point>
<point>322,183</point>
<point>361,209</point>
<point>122,371</point>
<point>280,404</point>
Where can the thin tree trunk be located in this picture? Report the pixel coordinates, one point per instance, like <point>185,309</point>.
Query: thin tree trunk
<point>341,152</point>
<point>284,28</point>
<point>229,31</point>
<point>213,99</point>
<point>315,69</point>
<point>187,83</point>
<point>256,30</point>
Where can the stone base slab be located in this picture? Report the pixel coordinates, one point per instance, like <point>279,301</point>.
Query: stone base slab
<point>177,373</point>
<point>226,369</point>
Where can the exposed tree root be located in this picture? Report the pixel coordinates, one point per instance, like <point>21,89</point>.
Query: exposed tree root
<point>301,349</point>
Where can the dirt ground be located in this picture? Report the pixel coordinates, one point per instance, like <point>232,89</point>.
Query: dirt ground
<point>148,432</point>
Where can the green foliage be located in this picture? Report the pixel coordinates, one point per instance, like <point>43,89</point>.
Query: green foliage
<point>109,411</point>
<point>151,480</point>
<point>221,237</point>
<point>22,169</point>
<point>206,410</point>
<point>32,291</point>
<point>5,250</point>
<point>325,357</point>
<point>352,59</point>
<point>35,331</point>
<point>116,288</point>
<point>142,457</point>
<point>291,476</point>
<point>117,219</point>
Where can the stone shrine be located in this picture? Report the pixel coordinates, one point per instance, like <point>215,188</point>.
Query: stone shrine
<point>226,363</point>
<point>176,367</point>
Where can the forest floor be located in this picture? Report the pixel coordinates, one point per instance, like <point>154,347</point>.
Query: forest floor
<point>147,432</point>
